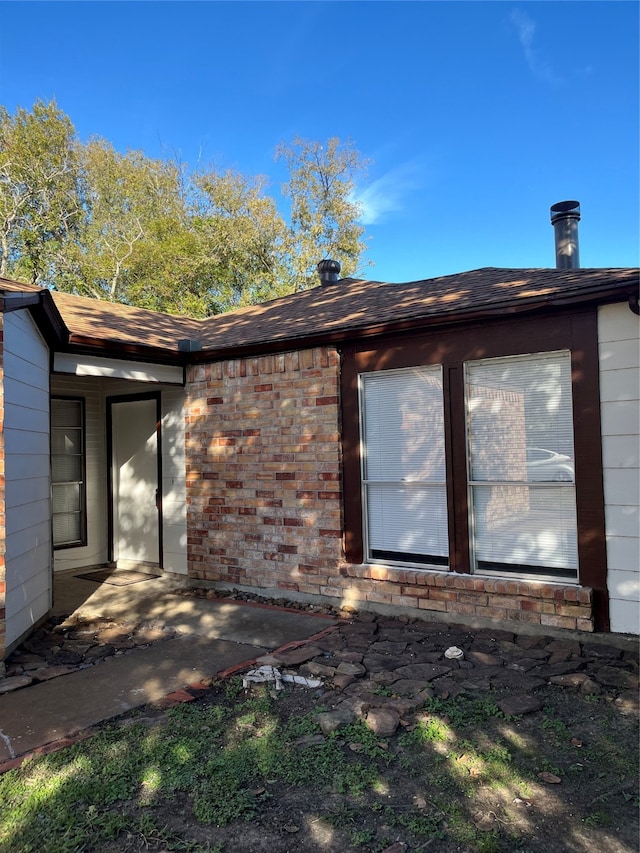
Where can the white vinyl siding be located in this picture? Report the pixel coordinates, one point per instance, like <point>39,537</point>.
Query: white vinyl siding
<point>174,485</point>
<point>520,451</point>
<point>404,466</point>
<point>619,354</point>
<point>27,490</point>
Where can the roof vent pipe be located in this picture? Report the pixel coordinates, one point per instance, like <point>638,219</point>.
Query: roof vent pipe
<point>565,216</point>
<point>328,271</point>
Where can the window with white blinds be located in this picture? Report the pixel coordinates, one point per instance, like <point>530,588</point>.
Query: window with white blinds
<point>404,477</point>
<point>67,472</point>
<point>521,475</point>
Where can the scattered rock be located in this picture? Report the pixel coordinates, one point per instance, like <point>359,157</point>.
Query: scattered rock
<point>516,706</point>
<point>550,778</point>
<point>422,671</point>
<point>613,676</point>
<point>8,685</point>
<point>382,721</point>
<point>348,668</point>
<point>330,721</point>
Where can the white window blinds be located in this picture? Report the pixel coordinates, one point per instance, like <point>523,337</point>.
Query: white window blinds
<point>404,466</point>
<point>520,445</point>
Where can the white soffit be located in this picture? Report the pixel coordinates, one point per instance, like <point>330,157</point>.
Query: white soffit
<point>114,368</point>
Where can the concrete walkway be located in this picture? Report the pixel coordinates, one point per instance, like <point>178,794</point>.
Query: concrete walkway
<point>214,635</point>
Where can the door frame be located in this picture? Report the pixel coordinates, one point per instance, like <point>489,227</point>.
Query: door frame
<point>132,398</point>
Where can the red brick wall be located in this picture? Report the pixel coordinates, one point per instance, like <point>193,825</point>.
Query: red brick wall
<point>263,471</point>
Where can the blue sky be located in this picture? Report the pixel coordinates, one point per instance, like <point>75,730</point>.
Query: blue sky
<point>477,115</point>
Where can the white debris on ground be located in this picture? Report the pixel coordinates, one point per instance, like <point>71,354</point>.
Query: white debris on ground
<point>266,674</point>
<point>454,653</point>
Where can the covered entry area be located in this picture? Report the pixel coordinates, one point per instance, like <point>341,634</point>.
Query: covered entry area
<point>129,490</point>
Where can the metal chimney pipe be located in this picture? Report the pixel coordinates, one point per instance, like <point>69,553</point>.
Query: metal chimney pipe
<point>328,271</point>
<point>565,216</point>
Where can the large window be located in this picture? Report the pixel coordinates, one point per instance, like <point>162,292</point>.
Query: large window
<point>68,472</point>
<point>404,465</point>
<point>515,428</point>
<point>520,462</point>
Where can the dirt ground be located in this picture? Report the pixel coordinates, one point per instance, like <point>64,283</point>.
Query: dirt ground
<point>455,776</point>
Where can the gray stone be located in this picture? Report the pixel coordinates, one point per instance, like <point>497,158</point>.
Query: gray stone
<point>98,653</point>
<point>49,672</point>
<point>309,740</point>
<point>384,677</point>
<point>532,641</point>
<point>628,703</point>
<point>561,668</point>
<point>294,657</point>
<point>331,721</point>
<point>523,664</point>
<point>596,650</point>
<point>379,663</point>
<point>511,680</point>
<point>515,706</point>
<point>352,657</point>
<point>447,688</point>
<point>485,659</point>
<point>341,682</point>
<point>422,671</point>
<point>347,668</point>
<point>382,721</point>
<point>571,647</point>
<point>65,658</point>
<point>366,629</point>
<point>8,685</point>
<point>313,668</point>
<point>613,676</point>
<point>387,647</point>
<point>578,681</point>
<point>408,686</point>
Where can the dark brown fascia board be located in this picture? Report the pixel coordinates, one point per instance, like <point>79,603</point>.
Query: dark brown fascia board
<point>43,310</point>
<point>599,296</point>
<point>131,352</point>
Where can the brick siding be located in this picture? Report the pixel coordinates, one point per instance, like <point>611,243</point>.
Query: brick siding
<point>264,502</point>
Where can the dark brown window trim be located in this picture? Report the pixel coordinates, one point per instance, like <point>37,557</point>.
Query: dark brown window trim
<point>576,332</point>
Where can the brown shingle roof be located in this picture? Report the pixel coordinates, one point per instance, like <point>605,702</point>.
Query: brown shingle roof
<point>353,306</point>
<point>348,308</point>
<point>112,322</point>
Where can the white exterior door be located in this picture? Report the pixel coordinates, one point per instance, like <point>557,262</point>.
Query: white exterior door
<point>135,480</point>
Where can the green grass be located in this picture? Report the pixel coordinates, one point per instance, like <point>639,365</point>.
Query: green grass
<point>228,762</point>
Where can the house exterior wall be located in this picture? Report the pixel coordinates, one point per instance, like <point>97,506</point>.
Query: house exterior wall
<point>266,455</point>
<point>27,476</point>
<point>619,354</point>
<point>263,472</point>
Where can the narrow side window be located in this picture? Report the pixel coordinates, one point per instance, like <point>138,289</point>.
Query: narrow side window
<point>68,488</point>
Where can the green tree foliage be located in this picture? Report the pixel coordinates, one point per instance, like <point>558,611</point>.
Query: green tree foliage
<point>147,232</point>
<point>39,195</point>
<point>324,218</point>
